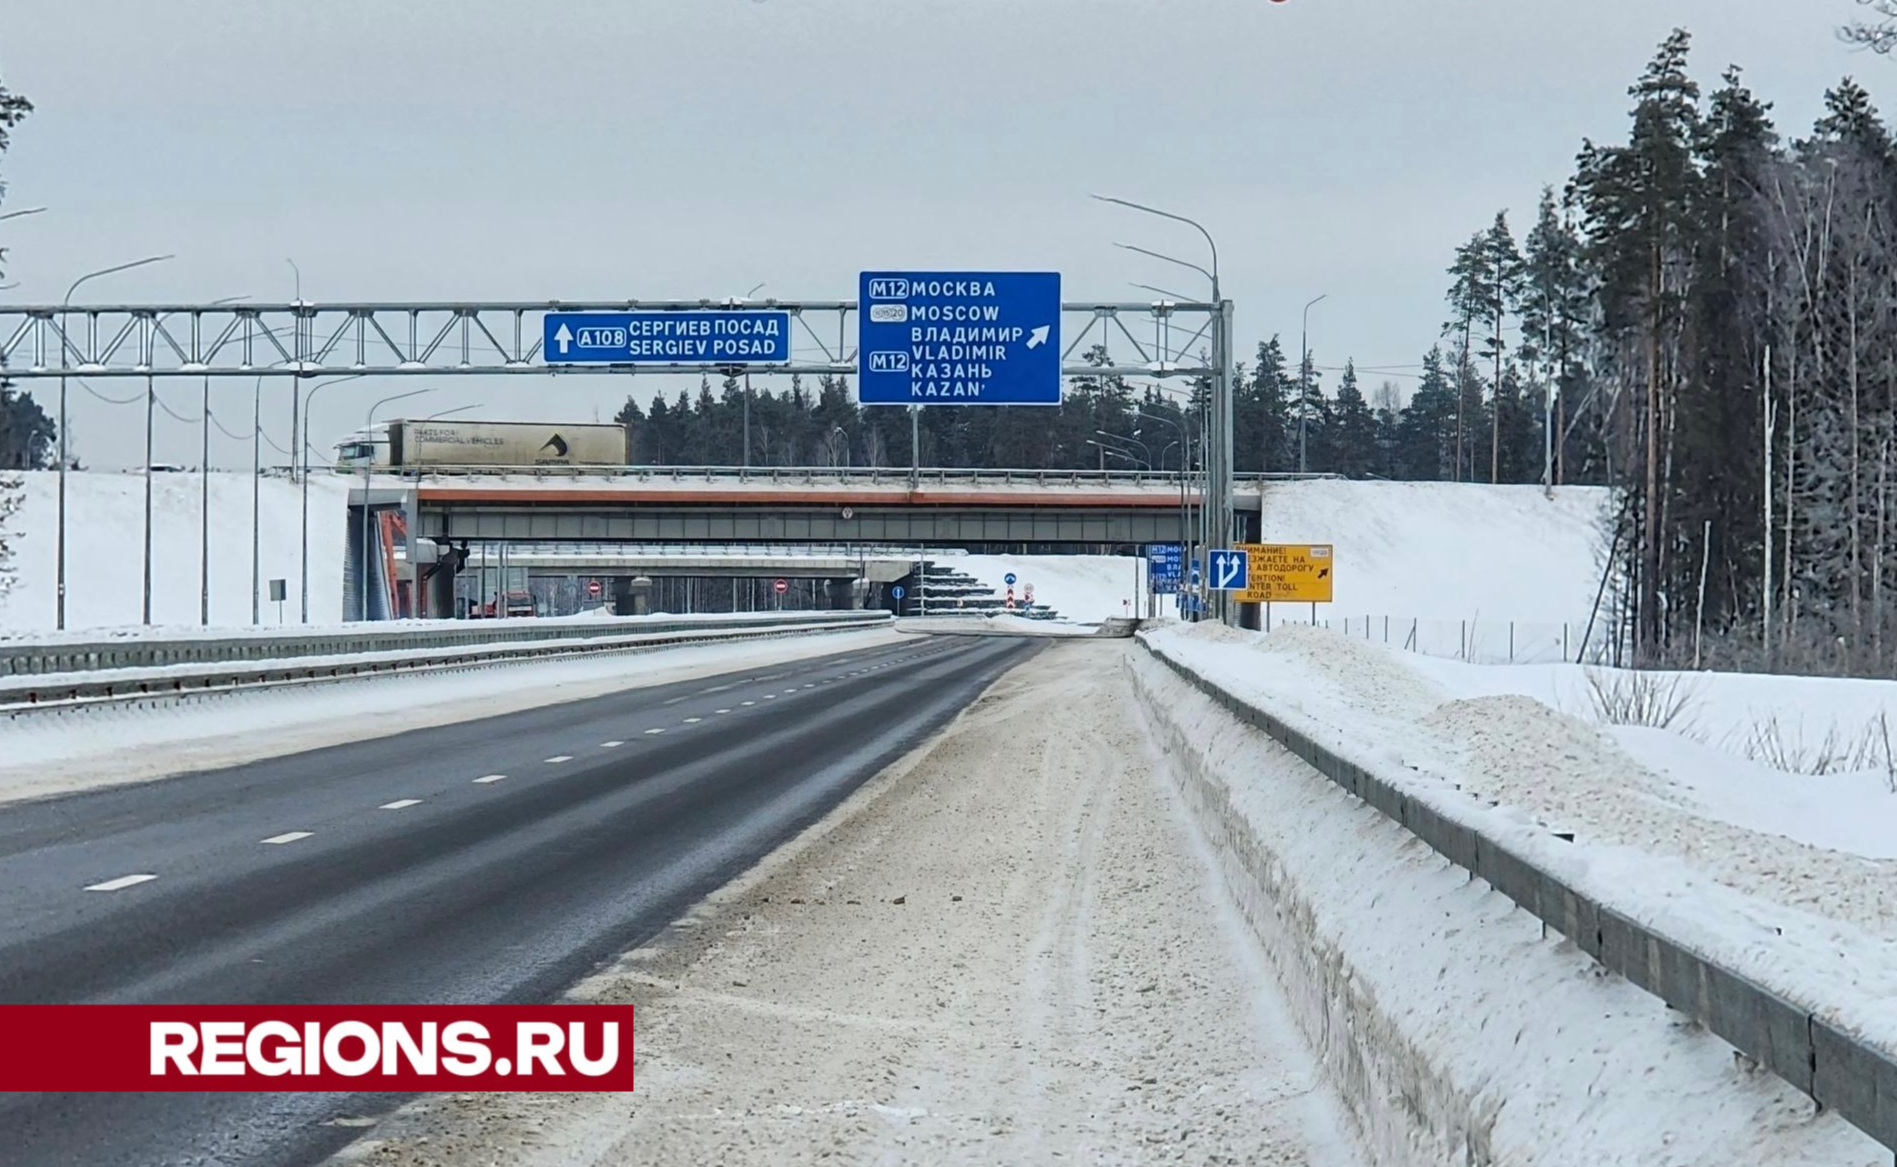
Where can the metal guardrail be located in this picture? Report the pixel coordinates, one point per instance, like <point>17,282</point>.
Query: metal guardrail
<point>26,659</point>
<point>1816,1056</point>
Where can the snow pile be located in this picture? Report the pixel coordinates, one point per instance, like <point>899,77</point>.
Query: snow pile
<point>1803,843</point>
<point>1456,1028</point>
<point>1445,551</point>
<point>105,533</point>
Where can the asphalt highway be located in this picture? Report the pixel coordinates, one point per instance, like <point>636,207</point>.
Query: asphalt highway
<point>494,861</point>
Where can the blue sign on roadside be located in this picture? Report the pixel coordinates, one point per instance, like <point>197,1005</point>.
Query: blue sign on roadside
<point>696,337</point>
<point>1165,566</point>
<point>958,338</point>
<point>897,592</point>
<point>1008,579</point>
<point>1231,570</point>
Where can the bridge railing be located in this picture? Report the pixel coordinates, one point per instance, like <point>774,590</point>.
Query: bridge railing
<point>780,475</point>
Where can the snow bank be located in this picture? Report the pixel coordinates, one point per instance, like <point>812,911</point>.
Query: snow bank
<point>1781,840</point>
<point>1455,1026</point>
<point>105,524</point>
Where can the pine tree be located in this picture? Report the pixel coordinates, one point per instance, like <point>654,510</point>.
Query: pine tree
<point>1426,431</point>
<point>1639,201</point>
<point>1471,278</point>
<point>1554,305</point>
<point>1501,296</point>
<point>1353,438</point>
<point>1262,437</point>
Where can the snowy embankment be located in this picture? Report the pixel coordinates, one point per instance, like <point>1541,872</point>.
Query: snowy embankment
<point>105,539</point>
<point>1456,1027</point>
<point>1451,566</point>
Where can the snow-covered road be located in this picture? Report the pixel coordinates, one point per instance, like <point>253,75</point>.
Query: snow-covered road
<point>1007,949</point>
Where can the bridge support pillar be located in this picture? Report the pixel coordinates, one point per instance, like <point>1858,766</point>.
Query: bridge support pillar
<point>842,595</point>
<point>632,596</point>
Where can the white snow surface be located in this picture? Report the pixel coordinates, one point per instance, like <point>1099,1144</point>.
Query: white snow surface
<point>1456,1028</point>
<point>1460,561</point>
<point>1741,886</point>
<point>105,533</point>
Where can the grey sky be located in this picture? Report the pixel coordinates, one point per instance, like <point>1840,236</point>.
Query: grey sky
<point>503,149</point>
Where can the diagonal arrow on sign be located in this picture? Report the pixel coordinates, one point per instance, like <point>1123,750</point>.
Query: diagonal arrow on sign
<point>1038,337</point>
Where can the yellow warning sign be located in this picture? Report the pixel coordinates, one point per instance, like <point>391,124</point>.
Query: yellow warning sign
<point>1287,573</point>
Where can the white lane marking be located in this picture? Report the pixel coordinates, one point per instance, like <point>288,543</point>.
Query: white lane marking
<point>655,731</point>
<point>122,881</point>
<point>693,720</point>
<point>399,803</point>
<point>610,745</point>
<point>767,697</point>
<point>288,837</point>
<point>558,758</point>
<point>721,711</point>
<point>748,703</point>
<point>673,700</point>
<point>491,778</point>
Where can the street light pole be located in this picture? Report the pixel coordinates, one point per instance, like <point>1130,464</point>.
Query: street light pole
<point>204,497</point>
<point>151,404</point>
<point>1304,377</point>
<point>256,499</point>
<point>1218,452</point>
<point>368,467</point>
<point>59,537</point>
<point>304,593</point>
<point>746,463</point>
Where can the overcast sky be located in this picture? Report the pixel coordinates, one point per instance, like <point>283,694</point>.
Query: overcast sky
<point>464,149</point>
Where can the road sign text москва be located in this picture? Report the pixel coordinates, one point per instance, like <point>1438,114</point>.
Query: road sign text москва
<point>1288,573</point>
<point>958,338</point>
<point>693,337</point>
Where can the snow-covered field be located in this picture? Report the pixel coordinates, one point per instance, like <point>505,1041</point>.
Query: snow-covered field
<point>105,533</point>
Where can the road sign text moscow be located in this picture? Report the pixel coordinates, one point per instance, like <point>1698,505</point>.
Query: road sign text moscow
<point>959,338</point>
<point>707,337</point>
<point>1288,572</point>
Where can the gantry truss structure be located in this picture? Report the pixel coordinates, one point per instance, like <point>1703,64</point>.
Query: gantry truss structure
<point>1157,339</point>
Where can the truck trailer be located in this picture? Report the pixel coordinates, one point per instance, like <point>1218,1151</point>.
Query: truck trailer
<point>421,445</point>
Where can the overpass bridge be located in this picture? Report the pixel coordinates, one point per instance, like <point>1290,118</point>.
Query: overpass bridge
<point>428,525</point>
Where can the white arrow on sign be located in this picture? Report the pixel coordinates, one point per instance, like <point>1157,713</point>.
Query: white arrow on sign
<point>1227,567</point>
<point>565,338</point>
<point>1038,337</point>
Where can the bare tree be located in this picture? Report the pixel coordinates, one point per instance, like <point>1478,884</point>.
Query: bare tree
<point>1878,35</point>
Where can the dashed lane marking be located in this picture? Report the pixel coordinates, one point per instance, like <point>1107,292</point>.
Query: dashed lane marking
<point>748,703</point>
<point>721,711</point>
<point>490,778</point>
<point>556,759</point>
<point>121,883</point>
<point>610,745</point>
<point>399,803</point>
<point>693,720</point>
<point>767,697</point>
<point>656,730</point>
<point>288,837</point>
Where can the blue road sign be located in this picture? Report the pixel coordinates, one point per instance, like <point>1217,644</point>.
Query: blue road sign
<point>696,337</point>
<point>1008,579</point>
<point>1165,566</point>
<point>897,592</point>
<point>1231,570</point>
<point>959,338</point>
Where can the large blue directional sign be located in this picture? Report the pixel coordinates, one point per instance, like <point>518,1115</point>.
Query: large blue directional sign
<point>959,338</point>
<point>694,337</point>
<point>1165,566</point>
<point>1231,570</point>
